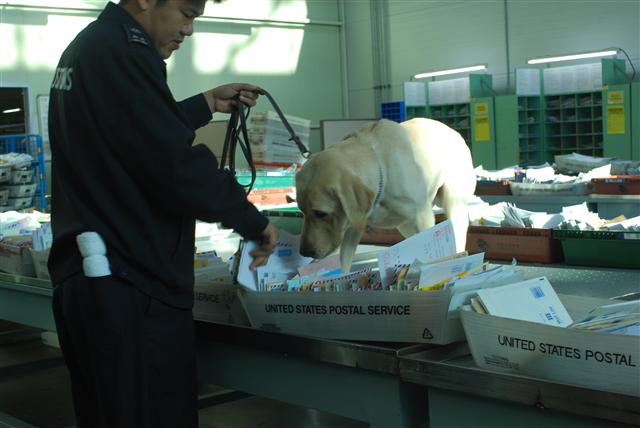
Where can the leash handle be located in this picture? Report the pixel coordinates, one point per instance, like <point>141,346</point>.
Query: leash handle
<point>228,137</point>
<point>245,145</point>
<point>238,127</point>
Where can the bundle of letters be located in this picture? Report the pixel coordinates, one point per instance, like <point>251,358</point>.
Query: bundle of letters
<point>617,318</point>
<point>532,300</point>
<point>535,300</point>
<point>423,262</point>
<point>573,217</point>
<point>210,269</point>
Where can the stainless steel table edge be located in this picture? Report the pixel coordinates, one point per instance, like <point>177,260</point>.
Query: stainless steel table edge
<point>14,279</point>
<point>335,381</point>
<point>457,372</point>
<point>25,301</point>
<point>382,358</point>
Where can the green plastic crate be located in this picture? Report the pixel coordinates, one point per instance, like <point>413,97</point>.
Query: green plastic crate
<point>600,248</point>
<point>264,181</point>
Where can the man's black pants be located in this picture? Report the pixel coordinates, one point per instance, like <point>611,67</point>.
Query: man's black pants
<point>131,358</point>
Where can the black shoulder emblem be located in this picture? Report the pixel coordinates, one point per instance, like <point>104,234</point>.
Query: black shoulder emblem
<point>135,35</point>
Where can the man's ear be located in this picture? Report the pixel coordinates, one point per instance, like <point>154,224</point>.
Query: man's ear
<point>356,200</point>
<point>146,4</point>
<point>137,6</point>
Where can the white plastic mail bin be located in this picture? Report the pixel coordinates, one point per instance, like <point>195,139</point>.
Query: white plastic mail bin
<point>386,316</point>
<point>602,361</point>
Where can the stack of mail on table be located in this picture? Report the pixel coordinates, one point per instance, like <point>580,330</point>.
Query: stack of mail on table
<point>424,262</point>
<point>411,293</point>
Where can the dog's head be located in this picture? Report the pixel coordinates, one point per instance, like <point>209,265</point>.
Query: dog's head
<point>332,199</point>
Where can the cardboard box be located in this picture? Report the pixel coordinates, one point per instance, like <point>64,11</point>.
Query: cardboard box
<point>15,256</point>
<point>505,243</point>
<point>601,361</point>
<point>40,259</point>
<point>378,236</point>
<point>273,196</point>
<point>217,301</point>
<point>488,187</point>
<point>383,316</point>
<point>617,185</point>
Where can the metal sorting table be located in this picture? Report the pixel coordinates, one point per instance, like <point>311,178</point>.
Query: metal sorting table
<point>384,384</point>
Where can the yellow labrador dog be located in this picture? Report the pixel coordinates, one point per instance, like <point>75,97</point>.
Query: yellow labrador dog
<point>386,175</point>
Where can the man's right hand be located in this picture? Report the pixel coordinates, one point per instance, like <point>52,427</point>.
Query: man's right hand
<point>222,99</point>
<point>267,246</point>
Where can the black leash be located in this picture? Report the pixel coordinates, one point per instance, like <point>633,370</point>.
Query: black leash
<point>237,135</point>
<point>303,150</point>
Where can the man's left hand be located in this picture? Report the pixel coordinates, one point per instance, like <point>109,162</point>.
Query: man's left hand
<point>268,242</point>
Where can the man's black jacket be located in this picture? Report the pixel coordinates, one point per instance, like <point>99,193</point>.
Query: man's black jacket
<point>124,165</point>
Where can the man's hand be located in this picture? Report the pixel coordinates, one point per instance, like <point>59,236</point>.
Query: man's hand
<point>222,99</point>
<point>267,245</point>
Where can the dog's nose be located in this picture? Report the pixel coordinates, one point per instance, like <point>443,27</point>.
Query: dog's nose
<point>307,252</point>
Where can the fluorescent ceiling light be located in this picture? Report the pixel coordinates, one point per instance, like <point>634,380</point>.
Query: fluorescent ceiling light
<point>608,52</point>
<point>12,110</point>
<point>450,71</point>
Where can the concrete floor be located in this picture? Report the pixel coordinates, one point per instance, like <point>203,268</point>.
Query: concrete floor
<point>35,390</point>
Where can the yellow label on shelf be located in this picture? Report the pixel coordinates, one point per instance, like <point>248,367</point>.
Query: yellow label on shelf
<point>482,128</point>
<point>615,119</point>
<point>615,97</point>
<point>481,108</point>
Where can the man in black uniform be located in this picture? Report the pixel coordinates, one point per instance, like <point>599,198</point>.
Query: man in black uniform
<point>125,168</point>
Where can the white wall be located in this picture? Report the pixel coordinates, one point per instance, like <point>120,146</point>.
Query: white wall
<point>435,35</point>
<point>300,64</point>
<point>430,35</point>
<point>292,49</point>
<point>561,27</point>
<point>357,25</point>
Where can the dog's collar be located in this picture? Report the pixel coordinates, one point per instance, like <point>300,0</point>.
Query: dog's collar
<point>380,182</point>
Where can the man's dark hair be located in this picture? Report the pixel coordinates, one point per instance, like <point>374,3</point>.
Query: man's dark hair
<point>161,2</point>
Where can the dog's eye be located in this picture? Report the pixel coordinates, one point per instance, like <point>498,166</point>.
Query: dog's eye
<point>320,214</point>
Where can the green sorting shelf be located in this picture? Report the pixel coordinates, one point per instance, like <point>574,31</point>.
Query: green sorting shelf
<point>530,140</point>
<point>416,111</point>
<point>573,123</point>
<point>456,116</point>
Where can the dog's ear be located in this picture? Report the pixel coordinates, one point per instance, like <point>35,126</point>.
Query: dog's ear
<point>356,200</point>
